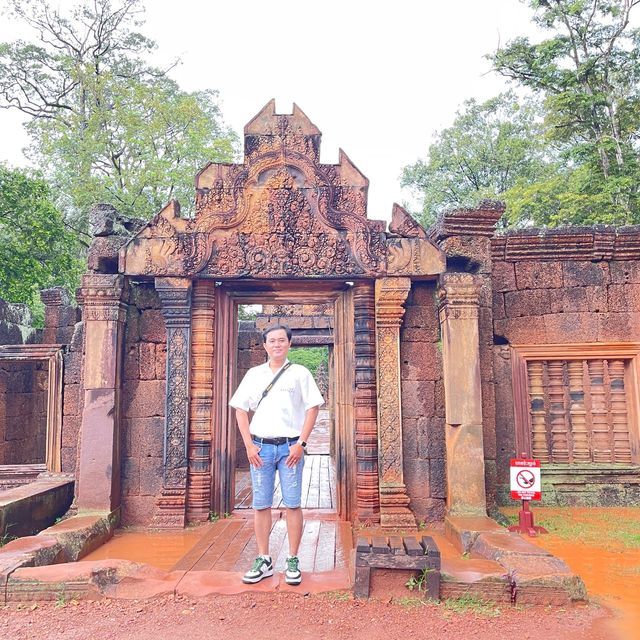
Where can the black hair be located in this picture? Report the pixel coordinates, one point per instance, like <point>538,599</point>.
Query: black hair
<point>276,327</point>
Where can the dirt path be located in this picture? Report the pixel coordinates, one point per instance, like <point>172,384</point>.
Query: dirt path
<point>282,616</point>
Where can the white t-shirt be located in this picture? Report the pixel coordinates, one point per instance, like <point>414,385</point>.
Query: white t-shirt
<point>281,413</point>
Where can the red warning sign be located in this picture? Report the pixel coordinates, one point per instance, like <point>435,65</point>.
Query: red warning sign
<point>525,479</point>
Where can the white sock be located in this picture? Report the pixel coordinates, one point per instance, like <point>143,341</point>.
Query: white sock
<point>266,557</point>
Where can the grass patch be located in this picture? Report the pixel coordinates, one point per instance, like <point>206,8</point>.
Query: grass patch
<point>337,596</point>
<point>409,603</point>
<point>598,530</point>
<point>470,603</point>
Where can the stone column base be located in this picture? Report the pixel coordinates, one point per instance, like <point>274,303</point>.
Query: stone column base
<point>394,508</point>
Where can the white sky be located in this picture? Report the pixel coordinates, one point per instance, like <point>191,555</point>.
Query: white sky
<point>377,78</point>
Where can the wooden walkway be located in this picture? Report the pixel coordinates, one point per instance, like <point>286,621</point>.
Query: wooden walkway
<point>230,545</point>
<point>318,486</point>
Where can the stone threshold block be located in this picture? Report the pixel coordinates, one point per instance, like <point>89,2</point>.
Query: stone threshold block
<point>533,575</point>
<point>29,508</point>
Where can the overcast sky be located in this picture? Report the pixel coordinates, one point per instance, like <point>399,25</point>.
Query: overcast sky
<point>376,78</point>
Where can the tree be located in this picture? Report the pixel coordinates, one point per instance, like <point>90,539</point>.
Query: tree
<point>588,73</point>
<point>106,126</point>
<point>36,249</point>
<point>490,148</point>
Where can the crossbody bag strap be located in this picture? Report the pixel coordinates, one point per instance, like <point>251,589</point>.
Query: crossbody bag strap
<point>270,385</point>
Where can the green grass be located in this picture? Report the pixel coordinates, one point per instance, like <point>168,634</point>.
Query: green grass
<point>409,603</point>
<point>596,531</point>
<point>470,603</point>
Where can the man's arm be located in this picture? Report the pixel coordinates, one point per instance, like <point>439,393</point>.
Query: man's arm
<point>253,452</point>
<point>296,451</point>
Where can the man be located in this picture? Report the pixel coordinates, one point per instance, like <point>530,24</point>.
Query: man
<point>285,400</point>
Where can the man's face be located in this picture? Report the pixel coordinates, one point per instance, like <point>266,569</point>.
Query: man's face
<point>277,344</point>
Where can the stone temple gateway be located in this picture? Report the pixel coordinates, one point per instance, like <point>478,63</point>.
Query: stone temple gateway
<point>452,350</point>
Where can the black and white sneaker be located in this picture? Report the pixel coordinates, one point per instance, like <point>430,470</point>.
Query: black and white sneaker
<point>262,568</point>
<point>292,575</point>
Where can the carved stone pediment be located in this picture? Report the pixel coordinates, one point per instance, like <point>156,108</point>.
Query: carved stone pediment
<point>280,214</point>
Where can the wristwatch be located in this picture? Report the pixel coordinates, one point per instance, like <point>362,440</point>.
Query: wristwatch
<point>302,443</point>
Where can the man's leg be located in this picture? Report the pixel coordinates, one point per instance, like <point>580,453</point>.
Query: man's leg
<point>294,529</point>
<point>291,485</point>
<point>262,528</point>
<point>262,482</point>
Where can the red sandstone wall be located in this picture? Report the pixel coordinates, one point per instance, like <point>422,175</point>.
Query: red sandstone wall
<point>423,404</point>
<point>143,406</point>
<point>550,302</point>
<point>23,412</point>
<point>72,401</point>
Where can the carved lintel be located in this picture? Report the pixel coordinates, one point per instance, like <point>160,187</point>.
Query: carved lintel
<point>391,293</point>
<point>175,295</point>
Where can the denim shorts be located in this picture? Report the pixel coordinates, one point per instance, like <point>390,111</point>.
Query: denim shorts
<point>273,457</point>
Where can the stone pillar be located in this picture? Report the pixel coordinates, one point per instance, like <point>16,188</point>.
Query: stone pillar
<point>459,303</point>
<point>57,306</point>
<point>104,317</point>
<point>175,295</point>
<point>202,367</point>
<point>391,294</point>
<point>365,403</point>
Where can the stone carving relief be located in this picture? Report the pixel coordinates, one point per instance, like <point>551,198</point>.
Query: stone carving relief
<point>281,214</point>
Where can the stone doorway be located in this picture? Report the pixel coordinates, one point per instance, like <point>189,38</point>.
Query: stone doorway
<point>329,470</point>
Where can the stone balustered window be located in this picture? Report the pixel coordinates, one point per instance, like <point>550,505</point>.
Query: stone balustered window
<point>577,405</point>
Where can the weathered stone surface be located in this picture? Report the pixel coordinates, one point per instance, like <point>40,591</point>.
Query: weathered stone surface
<point>81,534</point>
<point>624,297</point>
<point>71,404</point>
<point>503,276</point>
<point>77,580</point>
<point>144,436</point>
<point>462,531</point>
<point>103,254</point>
<point>29,508</point>
<point>624,271</point>
<point>99,479</point>
<point>152,327</point>
<point>431,440</point>
<point>417,398</point>
<point>614,327</point>
<point>495,546</point>
<point>147,361</point>
<point>102,218</point>
<point>582,274</point>
<point>420,361</point>
<point>526,303</point>
<point>144,296</point>
<point>539,275</point>
<point>581,299</point>
<point>144,399</point>
<point>41,550</point>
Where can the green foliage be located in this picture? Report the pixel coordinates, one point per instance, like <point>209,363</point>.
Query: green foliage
<point>470,603</point>
<point>569,153</point>
<point>418,582</point>
<point>588,73</point>
<point>310,357</point>
<point>490,148</point>
<point>36,249</point>
<point>105,125</point>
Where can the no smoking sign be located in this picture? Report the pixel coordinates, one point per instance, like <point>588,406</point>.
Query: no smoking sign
<point>525,479</point>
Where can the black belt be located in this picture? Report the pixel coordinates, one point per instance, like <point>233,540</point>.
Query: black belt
<point>259,440</point>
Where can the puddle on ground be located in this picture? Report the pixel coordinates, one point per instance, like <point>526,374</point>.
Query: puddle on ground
<point>592,543</point>
<point>161,549</point>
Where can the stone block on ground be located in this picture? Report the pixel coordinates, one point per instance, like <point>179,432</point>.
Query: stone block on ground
<point>81,534</point>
